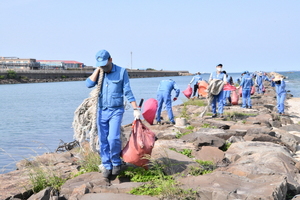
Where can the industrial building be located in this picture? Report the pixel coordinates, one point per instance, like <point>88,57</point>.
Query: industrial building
<point>60,64</point>
<point>16,63</point>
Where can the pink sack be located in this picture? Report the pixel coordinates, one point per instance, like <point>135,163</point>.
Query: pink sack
<point>229,87</point>
<point>263,89</point>
<point>234,98</point>
<point>188,92</point>
<point>252,90</point>
<point>140,144</point>
<point>149,110</point>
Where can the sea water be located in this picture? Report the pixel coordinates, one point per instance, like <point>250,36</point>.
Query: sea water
<point>36,117</point>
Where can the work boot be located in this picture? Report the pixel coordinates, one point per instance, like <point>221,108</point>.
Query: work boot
<point>116,170</point>
<point>214,115</point>
<point>106,173</point>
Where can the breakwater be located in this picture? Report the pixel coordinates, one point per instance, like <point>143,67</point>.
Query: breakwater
<point>34,76</point>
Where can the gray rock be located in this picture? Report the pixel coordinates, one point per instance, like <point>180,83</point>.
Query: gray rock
<point>225,185</point>
<point>113,196</point>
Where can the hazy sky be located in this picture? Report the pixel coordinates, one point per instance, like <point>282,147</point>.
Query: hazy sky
<point>193,35</point>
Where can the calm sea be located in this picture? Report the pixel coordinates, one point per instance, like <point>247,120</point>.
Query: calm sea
<point>35,117</point>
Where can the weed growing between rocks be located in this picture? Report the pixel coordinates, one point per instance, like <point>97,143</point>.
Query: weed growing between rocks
<point>186,152</point>
<point>157,183</point>
<point>179,134</point>
<point>89,162</point>
<point>205,125</point>
<point>233,116</point>
<point>42,176</point>
<point>226,146</point>
<point>195,102</point>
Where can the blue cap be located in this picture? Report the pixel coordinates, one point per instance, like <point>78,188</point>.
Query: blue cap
<point>102,57</point>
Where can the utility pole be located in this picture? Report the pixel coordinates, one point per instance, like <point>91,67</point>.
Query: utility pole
<point>131,59</point>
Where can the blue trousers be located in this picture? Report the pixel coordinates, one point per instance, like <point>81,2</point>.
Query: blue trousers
<point>280,102</point>
<point>164,98</point>
<point>260,89</point>
<point>109,132</point>
<point>226,96</point>
<point>246,94</point>
<point>220,100</point>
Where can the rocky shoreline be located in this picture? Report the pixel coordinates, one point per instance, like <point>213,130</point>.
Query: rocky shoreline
<point>262,161</point>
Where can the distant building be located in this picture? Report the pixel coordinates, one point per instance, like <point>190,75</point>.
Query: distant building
<point>18,63</point>
<point>60,64</point>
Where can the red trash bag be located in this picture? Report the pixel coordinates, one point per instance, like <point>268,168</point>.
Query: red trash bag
<point>252,90</point>
<point>140,144</point>
<point>234,98</point>
<point>188,92</point>
<point>263,89</point>
<point>149,110</point>
<point>229,87</point>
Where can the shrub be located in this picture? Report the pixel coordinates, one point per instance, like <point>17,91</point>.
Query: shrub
<point>11,74</point>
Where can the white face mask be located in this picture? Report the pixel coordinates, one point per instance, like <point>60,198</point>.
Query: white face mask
<point>219,69</point>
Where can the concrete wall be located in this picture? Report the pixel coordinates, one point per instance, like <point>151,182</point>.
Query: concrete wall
<point>52,74</point>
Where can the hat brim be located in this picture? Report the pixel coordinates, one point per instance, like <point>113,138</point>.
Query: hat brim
<point>101,63</point>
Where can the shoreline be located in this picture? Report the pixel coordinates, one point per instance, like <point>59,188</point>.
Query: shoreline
<point>293,108</point>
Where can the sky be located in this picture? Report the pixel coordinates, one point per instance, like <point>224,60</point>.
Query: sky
<point>192,35</point>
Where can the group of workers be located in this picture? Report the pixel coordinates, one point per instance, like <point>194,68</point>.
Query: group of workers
<point>116,85</point>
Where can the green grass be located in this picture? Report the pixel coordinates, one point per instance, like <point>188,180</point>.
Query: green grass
<point>238,114</point>
<point>190,127</point>
<point>186,152</point>
<point>43,176</point>
<point>226,146</point>
<point>205,125</point>
<point>179,134</point>
<point>206,167</point>
<point>156,183</point>
<point>89,162</point>
<point>195,102</point>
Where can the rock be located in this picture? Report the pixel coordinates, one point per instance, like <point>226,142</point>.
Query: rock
<point>292,127</point>
<point>113,196</point>
<point>208,153</point>
<point>225,185</point>
<point>44,194</point>
<point>252,159</point>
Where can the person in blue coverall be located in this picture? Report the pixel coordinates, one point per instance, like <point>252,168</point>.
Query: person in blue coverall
<point>246,85</point>
<point>281,93</point>
<point>218,74</point>
<point>194,82</point>
<point>259,82</point>
<point>164,96</point>
<point>115,86</point>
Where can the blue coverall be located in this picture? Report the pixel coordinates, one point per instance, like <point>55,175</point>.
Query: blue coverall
<point>194,82</point>
<point>281,94</point>
<point>220,97</point>
<point>164,96</point>
<point>259,81</point>
<point>246,84</point>
<point>115,86</point>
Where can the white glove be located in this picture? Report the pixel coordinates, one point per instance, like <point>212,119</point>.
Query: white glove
<point>137,113</point>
